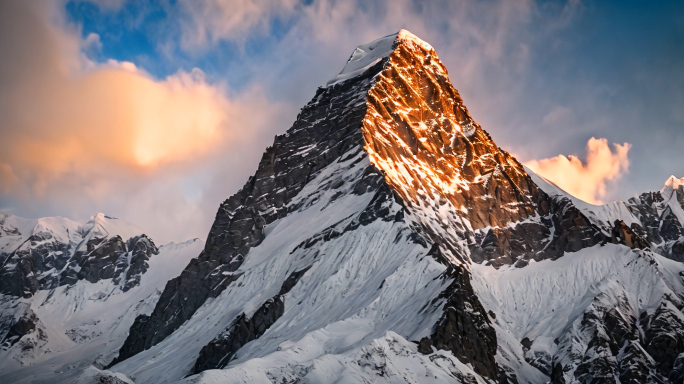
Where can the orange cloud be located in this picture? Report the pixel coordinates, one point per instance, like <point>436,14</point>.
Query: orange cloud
<point>60,111</point>
<point>586,181</point>
<point>78,137</point>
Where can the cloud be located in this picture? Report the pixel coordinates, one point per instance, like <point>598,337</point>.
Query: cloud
<point>205,22</point>
<point>77,135</point>
<point>586,181</point>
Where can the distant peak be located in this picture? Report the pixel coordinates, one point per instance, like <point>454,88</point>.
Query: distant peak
<point>104,226</point>
<point>673,182</point>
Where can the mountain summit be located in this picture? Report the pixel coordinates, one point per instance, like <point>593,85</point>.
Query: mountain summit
<point>385,237</point>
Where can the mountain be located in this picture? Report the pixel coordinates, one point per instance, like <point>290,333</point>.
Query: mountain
<point>386,238</point>
<point>69,292</point>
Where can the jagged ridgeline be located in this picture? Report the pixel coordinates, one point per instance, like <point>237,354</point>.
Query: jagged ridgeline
<point>385,237</point>
<point>58,252</point>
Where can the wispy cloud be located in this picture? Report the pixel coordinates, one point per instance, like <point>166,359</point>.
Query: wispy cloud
<point>204,22</point>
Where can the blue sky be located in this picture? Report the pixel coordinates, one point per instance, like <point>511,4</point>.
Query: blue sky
<point>542,77</point>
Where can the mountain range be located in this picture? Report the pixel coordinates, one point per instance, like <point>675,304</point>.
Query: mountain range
<point>384,238</point>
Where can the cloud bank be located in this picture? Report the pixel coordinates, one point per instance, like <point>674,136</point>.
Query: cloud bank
<point>586,181</point>
<point>108,135</point>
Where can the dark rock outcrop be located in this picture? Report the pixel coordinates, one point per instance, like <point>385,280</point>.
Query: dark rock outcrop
<point>23,270</point>
<point>619,346</point>
<point>464,328</point>
<point>221,350</point>
<point>664,336</point>
<point>563,229</point>
<point>44,262</point>
<point>17,329</point>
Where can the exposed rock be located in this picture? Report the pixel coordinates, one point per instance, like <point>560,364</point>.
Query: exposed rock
<point>44,261</point>
<point>17,329</point>
<point>221,350</point>
<point>664,336</point>
<point>464,329</point>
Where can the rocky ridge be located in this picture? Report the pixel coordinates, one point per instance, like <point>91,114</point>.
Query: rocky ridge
<point>52,252</point>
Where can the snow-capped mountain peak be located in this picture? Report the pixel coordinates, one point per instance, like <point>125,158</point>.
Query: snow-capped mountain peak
<point>673,183</point>
<point>385,237</point>
<point>366,55</point>
<point>103,227</point>
<point>49,252</point>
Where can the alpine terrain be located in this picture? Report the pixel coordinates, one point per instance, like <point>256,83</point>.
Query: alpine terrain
<point>384,238</point>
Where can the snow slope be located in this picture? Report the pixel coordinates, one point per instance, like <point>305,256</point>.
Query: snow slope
<point>367,55</point>
<point>357,284</point>
<point>387,359</point>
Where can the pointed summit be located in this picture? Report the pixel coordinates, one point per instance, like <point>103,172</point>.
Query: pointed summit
<point>367,55</point>
<point>406,36</point>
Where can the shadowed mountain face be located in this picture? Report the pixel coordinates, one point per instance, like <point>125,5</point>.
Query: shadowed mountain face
<point>386,229</point>
<point>52,252</point>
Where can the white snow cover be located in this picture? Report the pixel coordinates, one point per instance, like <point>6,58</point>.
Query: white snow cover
<point>103,226</point>
<point>388,359</point>
<point>15,230</point>
<point>362,285</point>
<point>367,55</point>
<point>84,324</point>
<point>542,299</point>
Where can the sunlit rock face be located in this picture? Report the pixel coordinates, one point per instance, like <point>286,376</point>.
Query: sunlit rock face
<point>418,132</point>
